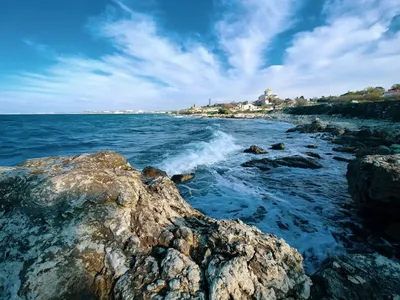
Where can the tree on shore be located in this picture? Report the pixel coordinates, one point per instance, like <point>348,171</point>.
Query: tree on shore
<point>396,86</point>
<point>224,111</point>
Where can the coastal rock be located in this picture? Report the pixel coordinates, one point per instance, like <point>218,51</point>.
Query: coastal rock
<point>314,127</point>
<point>279,146</point>
<point>345,149</point>
<point>296,161</point>
<point>312,146</point>
<point>179,178</point>
<point>335,130</point>
<point>88,227</point>
<point>383,150</point>
<point>150,172</point>
<point>355,277</point>
<point>395,148</point>
<point>318,126</point>
<point>342,159</point>
<point>255,150</point>
<point>374,184</point>
<point>313,154</point>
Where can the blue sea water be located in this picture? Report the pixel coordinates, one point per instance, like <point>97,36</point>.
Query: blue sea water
<point>310,209</point>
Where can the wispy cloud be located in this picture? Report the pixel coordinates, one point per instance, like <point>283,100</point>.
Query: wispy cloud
<point>152,70</point>
<point>40,48</point>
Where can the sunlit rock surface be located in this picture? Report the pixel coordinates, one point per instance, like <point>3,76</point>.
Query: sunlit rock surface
<point>90,227</point>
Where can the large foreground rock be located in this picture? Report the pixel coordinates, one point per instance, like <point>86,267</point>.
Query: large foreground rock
<point>296,161</point>
<point>357,277</point>
<point>374,184</point>
<point>88,227</point>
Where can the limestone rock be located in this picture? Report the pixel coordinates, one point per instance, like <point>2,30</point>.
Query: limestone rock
<point>151,172</point>
<point>296,161</point>
<point>179,178</point>
<point>88,227</point>
<point>374,184</point>
<point>356,277</point>
<point>255,150</point>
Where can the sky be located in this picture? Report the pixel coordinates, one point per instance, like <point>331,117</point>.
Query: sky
<point>78,55</point>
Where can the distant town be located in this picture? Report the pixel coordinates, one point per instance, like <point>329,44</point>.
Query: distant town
<point>269,101</point>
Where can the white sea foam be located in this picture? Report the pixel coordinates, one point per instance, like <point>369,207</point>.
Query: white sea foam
<point>201,154</point>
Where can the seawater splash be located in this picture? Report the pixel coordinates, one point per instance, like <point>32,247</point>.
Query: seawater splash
<point>201,153</point>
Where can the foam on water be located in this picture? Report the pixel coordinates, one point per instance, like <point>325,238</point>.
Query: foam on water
<point>201,153</point>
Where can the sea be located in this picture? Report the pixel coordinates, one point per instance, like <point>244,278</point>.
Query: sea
<point>310,209</point>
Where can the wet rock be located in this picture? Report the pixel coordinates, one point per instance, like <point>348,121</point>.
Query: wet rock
<point>150,172</point>
<point>365,133</point>
<point>296,161</point>
<point>279,146</point>
<point>374,184</point>
<point>313,154</point>
<point>338,158</point>
<point>318,126</point>
<point>345,149</point>
<point>395,148</point>
<point>383,150</point>
<point>312,146</point>
<point>88,227</point>
<point>355,277</point>
<point>335,130</point>
<point>314,127</point>
<point>179,178</point>
<point>258,216</point>
<point>255,150</point>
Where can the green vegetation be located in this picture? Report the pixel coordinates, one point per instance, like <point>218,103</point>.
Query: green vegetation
<point>369,94</point>
<point>224,111</point>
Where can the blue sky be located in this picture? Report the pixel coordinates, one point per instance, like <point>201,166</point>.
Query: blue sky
<point>66,56</point>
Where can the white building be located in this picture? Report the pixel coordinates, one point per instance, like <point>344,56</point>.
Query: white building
<point>265,98</point>
<point>391,93</point>
<point>246,106</point>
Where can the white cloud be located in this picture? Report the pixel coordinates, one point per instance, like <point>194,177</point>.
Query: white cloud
<point>151,70</point>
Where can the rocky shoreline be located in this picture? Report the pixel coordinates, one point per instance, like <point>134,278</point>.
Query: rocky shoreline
<point>92,227</point>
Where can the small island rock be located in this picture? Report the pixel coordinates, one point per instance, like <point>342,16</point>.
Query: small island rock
<point>255,150</point>
<point>296,161</point>
<point>279,146</point>
<point>179,178</point>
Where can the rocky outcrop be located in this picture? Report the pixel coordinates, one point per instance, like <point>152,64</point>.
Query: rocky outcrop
<point>318,126</point>
<point>151,172</point>
<point>356,277</point>
<point>255,150</point>
<point>313,154</point>
<point>279,146</point>
<point>374,184</point>
<point>180,178</point>
<point>89,227</point>
<point>385,110</point>
<point>296,161</point>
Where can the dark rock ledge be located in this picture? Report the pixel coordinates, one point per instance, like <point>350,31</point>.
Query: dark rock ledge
<point>89,227</point>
